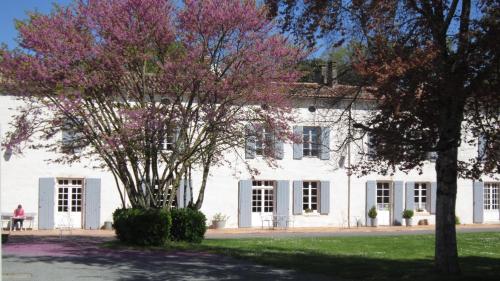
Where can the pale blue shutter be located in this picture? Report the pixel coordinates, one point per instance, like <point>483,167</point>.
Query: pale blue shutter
<point>478,199</point>
<point>410,195</point>
<point>433,197</point>
<point>325,144</point>
<point>180,194</point>
<point>278,146</point>
<point>46,200</point>
<point>92,203</point>
<point>398,202</point>
<point>297,197</point>
<point>282,202</point>
<point>481,147</point>
<point>187,194</point>
<point>324,197</point>
<point>371,197</point>
<point>245,204</point>
<point>298,147</point>
<point>250,142</point>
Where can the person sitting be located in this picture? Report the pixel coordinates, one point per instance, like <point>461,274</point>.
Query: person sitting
<point>18,217</point>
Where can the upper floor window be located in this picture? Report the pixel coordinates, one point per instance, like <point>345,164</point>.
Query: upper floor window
<point>311,141</point>
<point>264,142</point>
<point>71,138</point>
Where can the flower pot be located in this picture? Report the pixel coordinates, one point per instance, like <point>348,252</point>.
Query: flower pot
<point>219,224</point>
<point>373,222</point>
<point>408,222</point>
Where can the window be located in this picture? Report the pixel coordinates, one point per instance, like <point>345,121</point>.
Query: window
<point>168,139</point>
<point>310,196</point>
<point>421,195</point>
<point>264,143</point>
<point>161,197</point>
<point>491,191</point>
<point>383,196</point>
<point>311,141</point>
<point>262,196</point>
<point>69,188</point>
<point>71,141</point>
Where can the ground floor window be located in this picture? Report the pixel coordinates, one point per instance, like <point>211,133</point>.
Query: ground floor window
<point>310,196</point>
<point>383,195</point>
<point>69,195</point>
<point>263,196</point>
<point>421,196</point>
<point>491,196</point>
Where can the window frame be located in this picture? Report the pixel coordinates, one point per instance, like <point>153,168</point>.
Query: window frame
<point>311,147</point>
<point>384,206</point>
<point>418,196</point>
<point>261,188</point>
<point>265,142</point>
<point>308,185</point>
<point>491,196</point>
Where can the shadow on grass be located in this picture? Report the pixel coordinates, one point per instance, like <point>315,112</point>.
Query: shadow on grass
<point>359,267</point>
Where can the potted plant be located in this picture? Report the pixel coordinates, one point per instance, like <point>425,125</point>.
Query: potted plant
<point>219,220</point>
<point>407,215</point>
<point>372,214</point>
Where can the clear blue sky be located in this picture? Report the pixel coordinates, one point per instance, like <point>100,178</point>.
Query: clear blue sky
<point>16,9</point>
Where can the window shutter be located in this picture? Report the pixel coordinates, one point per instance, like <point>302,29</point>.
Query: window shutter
<point>187,193</point>
<point>278,146</point>
<point>433,197</point>
<point>371,197</point>
<point>92,203</point>
<point>325,197</point>
<point>298,148</point>
<point>283,202</point>
<point>410,195</point>
<point>245,204</point>
<point>250,142</point>
<point>325,144</point>
<point>481,147</point>
<point>180,194</point>
<point>398,202</point>
<point>46,203</point>
<point>297,197</point>
<point>478,205</point>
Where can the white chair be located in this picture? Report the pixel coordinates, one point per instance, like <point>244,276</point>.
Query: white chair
<point>266,219</point>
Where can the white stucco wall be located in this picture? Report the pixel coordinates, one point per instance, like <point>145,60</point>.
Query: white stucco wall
<point>20,175</point>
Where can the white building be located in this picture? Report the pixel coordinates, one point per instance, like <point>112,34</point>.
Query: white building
<point>308,188</point>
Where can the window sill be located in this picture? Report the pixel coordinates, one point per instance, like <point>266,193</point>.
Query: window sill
<point>312,214</point>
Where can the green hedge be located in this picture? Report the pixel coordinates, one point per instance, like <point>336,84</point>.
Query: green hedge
<point>142,227</point>
<point>188,225</point>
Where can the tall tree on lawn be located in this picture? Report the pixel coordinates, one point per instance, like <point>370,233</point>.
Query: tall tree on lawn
<point>434,67</point>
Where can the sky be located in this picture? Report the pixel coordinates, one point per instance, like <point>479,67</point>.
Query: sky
<point>16,9</point>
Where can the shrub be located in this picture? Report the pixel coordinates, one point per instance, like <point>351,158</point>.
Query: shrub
<point>188,225</point>
<point>407,214</point>
<point>372,213</point>
<point>143,227</point>
<point>457,220</point>
<point>220,217</point>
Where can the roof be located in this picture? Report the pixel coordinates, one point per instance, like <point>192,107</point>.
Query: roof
<point>315,90</point>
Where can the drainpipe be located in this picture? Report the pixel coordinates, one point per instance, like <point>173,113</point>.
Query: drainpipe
<point>349,170</point>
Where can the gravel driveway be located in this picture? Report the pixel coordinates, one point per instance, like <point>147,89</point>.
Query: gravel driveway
<point>44,258</point>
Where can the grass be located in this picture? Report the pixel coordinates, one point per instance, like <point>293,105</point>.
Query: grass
<point>405,257</point>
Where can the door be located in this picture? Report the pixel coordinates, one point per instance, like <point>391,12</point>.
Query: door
<point>262,203</point>
<point>491,202</point>
<point>69,203</point>
<point>384,203</point>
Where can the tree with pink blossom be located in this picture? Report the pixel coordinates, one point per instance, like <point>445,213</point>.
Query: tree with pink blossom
<point>147,90</point>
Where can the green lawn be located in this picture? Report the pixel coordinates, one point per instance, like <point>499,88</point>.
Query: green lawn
<point>406,257</point>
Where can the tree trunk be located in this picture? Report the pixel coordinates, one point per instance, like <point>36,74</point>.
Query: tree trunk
<point>446,256</point>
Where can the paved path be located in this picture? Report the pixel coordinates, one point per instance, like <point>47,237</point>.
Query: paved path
<point>49,258</point>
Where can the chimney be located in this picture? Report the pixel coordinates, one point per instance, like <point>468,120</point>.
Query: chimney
<point>329,74</point>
